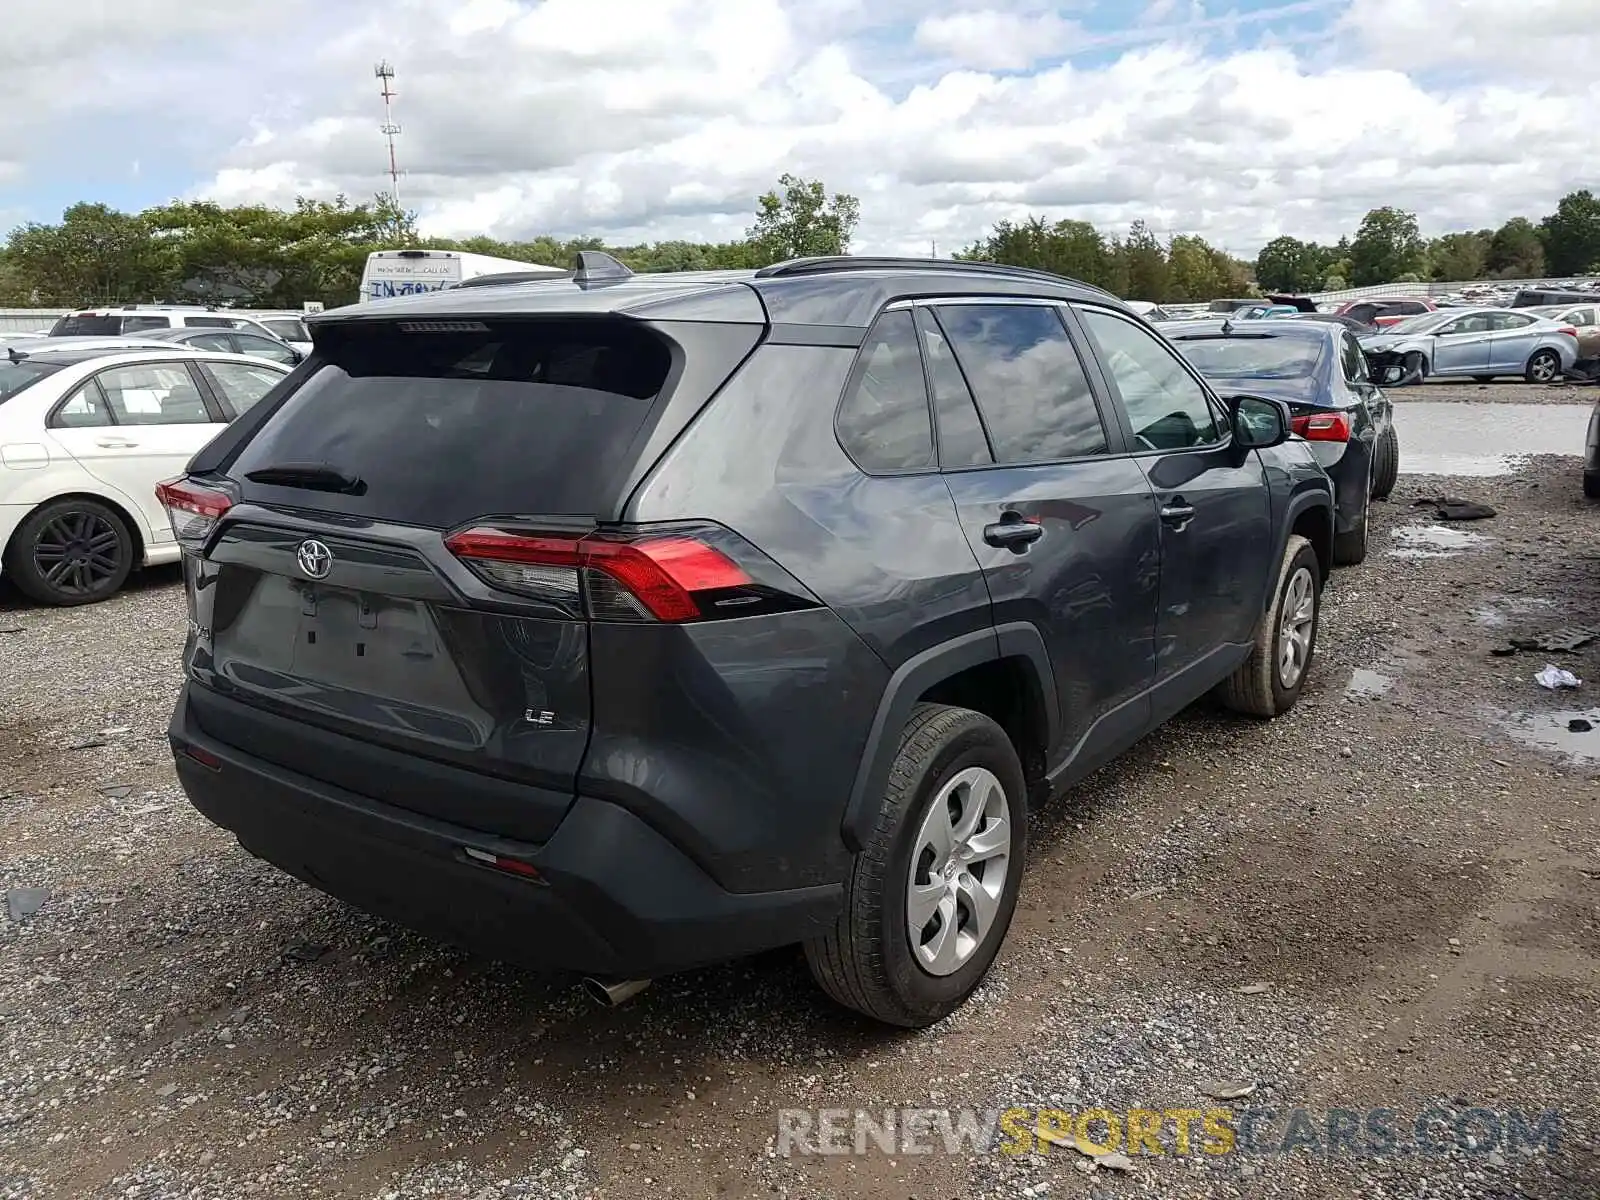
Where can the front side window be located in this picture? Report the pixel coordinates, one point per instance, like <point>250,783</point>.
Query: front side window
<point>261,347</point>
<point>1029,383</point>
<point>212,341</point>
<point>1166,406</point>
<point>153,394</point>
<point>883,419</point>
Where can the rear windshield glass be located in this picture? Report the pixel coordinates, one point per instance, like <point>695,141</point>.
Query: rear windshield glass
<point>14,376</point>
<point>1252,357</point>
<point>448,421</point>
<point>73,325</point>
<point>289,329</point>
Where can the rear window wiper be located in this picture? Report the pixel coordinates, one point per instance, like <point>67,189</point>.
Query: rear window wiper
<point>316,477</point>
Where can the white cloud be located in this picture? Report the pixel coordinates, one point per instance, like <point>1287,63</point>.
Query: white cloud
<point>655,119</point>
<point>993,40</point>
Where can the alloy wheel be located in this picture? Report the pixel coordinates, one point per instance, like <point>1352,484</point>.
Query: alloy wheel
<point>958,871</point>
<point>1295,627</point>
<point>77,553</point>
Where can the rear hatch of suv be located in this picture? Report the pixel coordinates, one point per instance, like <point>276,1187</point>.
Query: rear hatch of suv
<point>387,578</point>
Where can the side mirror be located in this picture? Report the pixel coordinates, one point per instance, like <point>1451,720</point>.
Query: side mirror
<point>1259,423</point>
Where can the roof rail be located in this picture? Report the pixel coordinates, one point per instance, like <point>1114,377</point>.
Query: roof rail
<point>823,264</point>
<point>591,267</point>
<point>506,278</point>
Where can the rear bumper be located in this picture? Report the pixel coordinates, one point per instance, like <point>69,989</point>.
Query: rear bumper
<point>615,897</point>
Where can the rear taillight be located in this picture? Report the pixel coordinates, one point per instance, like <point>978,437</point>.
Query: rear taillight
<point>1322,427</point>
<point>1569,330</point>
<point>671,575</point>
<point>192,509</point>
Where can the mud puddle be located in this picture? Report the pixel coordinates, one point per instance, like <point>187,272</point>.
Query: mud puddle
<point>1483,440</point>
<point>1573,733</point>
<point>1367,684</point>
<point>1434,541</point>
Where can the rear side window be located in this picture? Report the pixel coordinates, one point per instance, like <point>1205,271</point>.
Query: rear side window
<point>80,325</point>
<point>1027,379</point>
<point>241,385</point>
<point>445,422</point>
<point>207,323</point>
<point>962,442</point>
<point>136,324</point>
<point>883,418</point>
<point>1355,362</point>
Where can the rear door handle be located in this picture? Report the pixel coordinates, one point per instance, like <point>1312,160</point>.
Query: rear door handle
<point>1012,532</point>
<point>115,444</point>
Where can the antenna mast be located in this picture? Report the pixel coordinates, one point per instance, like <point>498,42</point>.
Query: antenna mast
<point>384,73</point>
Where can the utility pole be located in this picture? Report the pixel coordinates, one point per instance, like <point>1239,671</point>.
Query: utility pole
<point>384,73</point>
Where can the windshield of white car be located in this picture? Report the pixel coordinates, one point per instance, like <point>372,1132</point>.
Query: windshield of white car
<point>1250,356</point>
<point>15,376</point>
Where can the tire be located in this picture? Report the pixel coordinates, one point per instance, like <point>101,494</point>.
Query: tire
<point>1350,549</point>
<point>1591,484</point>
<point>76,531</point>
<point>867,961</point>
<point>1258,688</point>
<point>1543,367</point>
<point>1386,468</point>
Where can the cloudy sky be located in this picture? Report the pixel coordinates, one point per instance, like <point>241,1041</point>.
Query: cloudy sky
<point>652,119</point>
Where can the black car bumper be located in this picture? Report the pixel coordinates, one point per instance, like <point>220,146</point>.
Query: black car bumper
<point>613,896</point>
<point>1352,485</point>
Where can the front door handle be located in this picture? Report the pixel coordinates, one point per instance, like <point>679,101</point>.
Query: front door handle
<point>1177,512</point>
<point>1013,532</point>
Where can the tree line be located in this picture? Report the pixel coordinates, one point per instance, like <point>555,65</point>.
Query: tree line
<point>262,257</point>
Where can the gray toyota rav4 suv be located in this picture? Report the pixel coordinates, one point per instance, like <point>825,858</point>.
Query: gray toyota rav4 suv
<point>618,624</point>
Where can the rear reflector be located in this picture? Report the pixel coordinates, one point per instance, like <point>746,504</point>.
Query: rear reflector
<point>499,862</point>
<point>1322,427</point>
<point>193,510</point>
<point>649,578</point>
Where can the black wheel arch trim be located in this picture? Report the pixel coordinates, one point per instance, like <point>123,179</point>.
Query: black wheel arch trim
<point>1016,640</point>
<point>1298,505</point>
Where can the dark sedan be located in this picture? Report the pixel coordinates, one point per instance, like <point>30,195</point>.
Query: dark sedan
<point>1317,368</point>
<point>229,341</point>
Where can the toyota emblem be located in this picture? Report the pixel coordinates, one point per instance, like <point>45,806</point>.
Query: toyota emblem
<point>315,559</point>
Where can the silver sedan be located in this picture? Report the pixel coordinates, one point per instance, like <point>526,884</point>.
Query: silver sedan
<point>1483,343</point>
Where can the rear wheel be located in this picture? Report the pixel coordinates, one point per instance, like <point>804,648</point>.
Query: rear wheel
<point>1386,464</point>
<point>1543,367</point>
<point>1268,683</point>
<point>929,899</point>
<point>1350,549</point>
<point>70,552</point>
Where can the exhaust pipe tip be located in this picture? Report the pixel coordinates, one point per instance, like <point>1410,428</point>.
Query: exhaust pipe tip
<point>614,992</point>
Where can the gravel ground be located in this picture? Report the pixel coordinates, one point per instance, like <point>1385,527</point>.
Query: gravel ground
<point>1388,898</point>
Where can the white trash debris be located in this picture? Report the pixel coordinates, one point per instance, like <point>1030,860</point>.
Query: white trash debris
<point>1553,677</point>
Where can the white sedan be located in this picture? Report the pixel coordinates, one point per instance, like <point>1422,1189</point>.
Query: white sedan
<point>86,433</point>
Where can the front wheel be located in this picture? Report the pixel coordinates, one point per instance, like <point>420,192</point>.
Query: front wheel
<point>1413,368</point>
<point>1268,683</point>
<point>930,897</point>
<point>1543,367</point>
<point>69,552</point>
